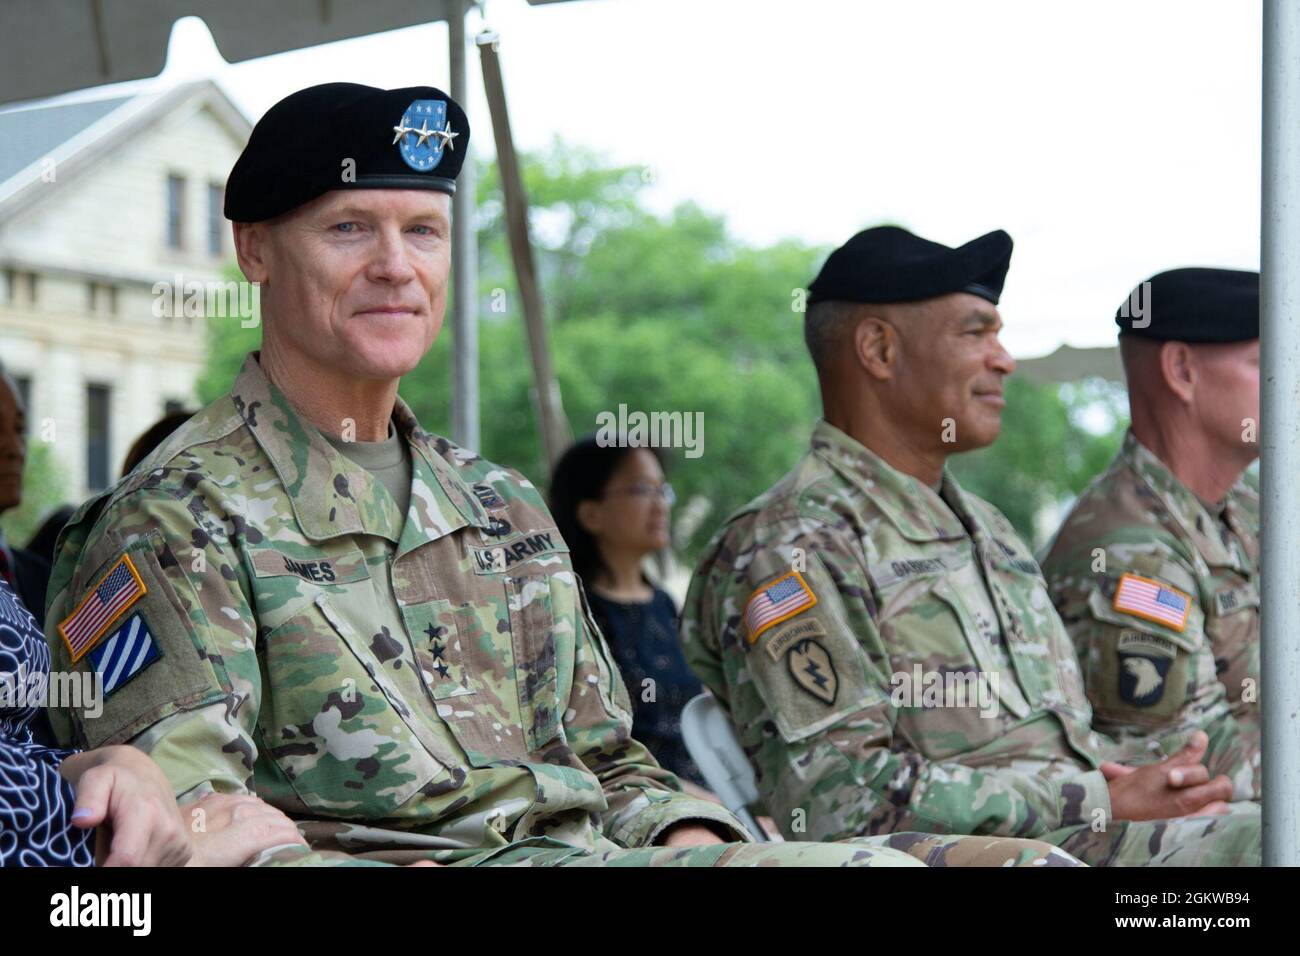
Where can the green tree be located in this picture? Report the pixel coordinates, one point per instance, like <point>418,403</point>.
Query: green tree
<point>229,339</point>
<point>673,313</point>
<point>44,489</point>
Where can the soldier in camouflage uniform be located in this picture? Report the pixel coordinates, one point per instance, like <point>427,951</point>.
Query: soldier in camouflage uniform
<point>393,650</point>
<point>1158,581</point>
<point>884,641</point>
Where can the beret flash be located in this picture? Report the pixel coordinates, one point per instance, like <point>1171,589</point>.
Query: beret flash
<point>347,136</point>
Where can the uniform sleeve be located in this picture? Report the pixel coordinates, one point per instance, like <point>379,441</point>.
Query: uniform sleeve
<point>805,676</point>
<point>1135,616</point>
<point>177,662</point>
<point>644,799</point>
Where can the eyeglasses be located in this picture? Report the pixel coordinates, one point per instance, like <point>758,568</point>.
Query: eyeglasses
<point>647,490</point>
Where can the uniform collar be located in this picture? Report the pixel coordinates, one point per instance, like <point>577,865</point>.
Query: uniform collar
<point>1208,534</point>
<point>912,506</point>
<point>441,501</point>
<point>1242,514</point>
<point>332,495</point>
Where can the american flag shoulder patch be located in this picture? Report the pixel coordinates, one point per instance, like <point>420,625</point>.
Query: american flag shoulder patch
<point>117,589</point>
<point>778,600</point>
<point>130,650</point>
<point>1153,600</point>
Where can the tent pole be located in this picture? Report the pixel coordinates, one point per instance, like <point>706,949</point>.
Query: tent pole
<point>554,425</point>
<point>464,305</point>
<point>1280,430</point>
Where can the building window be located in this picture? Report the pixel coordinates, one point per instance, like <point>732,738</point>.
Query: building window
<point>98,398</point>
<point>21,288</point>
<point>175,211</point>
<point>101,298</point>
<point>216,221</point>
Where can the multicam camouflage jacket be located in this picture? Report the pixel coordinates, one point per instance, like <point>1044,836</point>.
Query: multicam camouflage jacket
<point>890,658</point>
<point>265,621</point>
<point>1191,659</point>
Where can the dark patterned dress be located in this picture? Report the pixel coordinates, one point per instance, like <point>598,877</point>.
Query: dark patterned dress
<point>35,802</point>
<point>643,639</point>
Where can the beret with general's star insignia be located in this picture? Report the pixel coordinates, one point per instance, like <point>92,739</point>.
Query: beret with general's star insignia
<point>1194,306</point>
<point>347,136</point>
<point>889,264</point>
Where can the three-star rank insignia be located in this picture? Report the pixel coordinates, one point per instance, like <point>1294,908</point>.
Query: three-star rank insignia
<point>438,650</point>
<point>423,133</point>
<point>813,670</point>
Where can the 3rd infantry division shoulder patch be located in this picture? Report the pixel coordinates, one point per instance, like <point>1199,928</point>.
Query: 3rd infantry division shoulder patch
<point>128,652</point>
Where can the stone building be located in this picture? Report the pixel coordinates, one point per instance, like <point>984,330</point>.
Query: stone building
<point>110,209</point>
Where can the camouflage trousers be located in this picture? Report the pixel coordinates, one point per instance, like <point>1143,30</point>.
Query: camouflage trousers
<point>895,849</point>
<point>1231,839</point>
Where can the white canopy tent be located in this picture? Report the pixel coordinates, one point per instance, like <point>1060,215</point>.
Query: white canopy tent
<point>53,46</point>
<point>48,47</point>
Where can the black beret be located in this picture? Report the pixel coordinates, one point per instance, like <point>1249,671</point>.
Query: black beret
<point>412,138</point>
<point>889,264</point>
<point>1193,305</point>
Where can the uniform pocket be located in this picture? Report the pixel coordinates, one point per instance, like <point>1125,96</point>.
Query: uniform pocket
<point>488,648</point>
<point>532,635</point>
<point>492,665</point>
<point>284,584</point>
<point>502,700</point>
<point>333,721</point>
<point>1041,651</point>
<point>955,692</point>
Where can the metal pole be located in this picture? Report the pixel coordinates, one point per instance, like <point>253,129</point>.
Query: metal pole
<point>1280,429</point>
<point>464,302</point>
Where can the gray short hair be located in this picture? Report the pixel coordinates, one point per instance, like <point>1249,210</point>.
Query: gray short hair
<point>825,326</point>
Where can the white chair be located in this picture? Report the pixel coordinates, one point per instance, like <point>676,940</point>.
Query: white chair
<point>706,728</point>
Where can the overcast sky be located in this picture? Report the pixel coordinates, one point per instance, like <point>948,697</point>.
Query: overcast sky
<point>1112,139</point>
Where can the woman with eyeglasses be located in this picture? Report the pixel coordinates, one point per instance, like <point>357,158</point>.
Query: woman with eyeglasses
<point>612,507</point>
